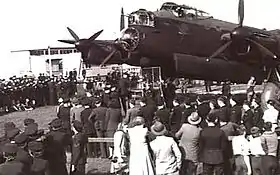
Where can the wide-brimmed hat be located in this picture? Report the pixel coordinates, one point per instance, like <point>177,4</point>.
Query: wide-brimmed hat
<point>194,118</point>
<point>158,129</point>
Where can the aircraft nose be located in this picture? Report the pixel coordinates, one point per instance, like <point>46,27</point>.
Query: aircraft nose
<point>129,39</point>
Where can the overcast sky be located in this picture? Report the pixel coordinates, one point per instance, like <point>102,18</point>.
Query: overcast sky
<point>31,24</point>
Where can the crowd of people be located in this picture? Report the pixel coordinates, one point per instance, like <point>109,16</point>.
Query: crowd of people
<point>221,136</point>
<point>158,134</point>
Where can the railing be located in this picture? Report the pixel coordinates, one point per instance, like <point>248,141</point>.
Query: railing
<point>100,140</point>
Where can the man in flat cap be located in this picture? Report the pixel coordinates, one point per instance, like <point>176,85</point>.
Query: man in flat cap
<point>11,166</point>
<point>57,141</point>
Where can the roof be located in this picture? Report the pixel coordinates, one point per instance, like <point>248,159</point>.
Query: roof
<point>53,51</point>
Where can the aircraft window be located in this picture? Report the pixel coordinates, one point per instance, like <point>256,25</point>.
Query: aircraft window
<point>141,18</point>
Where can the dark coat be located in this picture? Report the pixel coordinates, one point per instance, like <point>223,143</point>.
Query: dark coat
<point>203,109</point>
<point>164,117</point>
<point>87,124</point>
<point>186,113</point>
<point>112,119</point>
<point>24,157</point>
<point>40,167</point>
<point>235,114</point>
<point>105,99</point>
<point>247,120</point>
<point>176,118</point>
<point>12,168</point>
<point>212,143</point>
<point>257,119</point>
<point>56,142</point>
<point>148,112</point>
<point>98,116</point>
<point>78,154</point>
<point>224,113</point>
<point>123,87</point>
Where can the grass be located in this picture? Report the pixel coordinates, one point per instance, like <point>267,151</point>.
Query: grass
<point>43,116</point>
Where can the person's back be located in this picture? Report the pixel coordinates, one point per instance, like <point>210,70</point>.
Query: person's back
<point>57,141</point>
<point>75,112</point>
<point>12,168</point>
<point>189,140</point>
<point>167,154</point>
<point>269,142</point>
<point>39,167</point>
<point>147,112</point>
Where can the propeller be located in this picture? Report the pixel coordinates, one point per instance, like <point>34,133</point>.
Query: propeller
<point>74,35</point>
<point>241,12</point>
<point>220,50</point>
<point>122,23</point>
<point>122,26</point>
<point>81,44</point>
<point>242,33</point>
<point>108,58</point>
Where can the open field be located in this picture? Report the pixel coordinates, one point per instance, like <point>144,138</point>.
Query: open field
<point>94,166</point>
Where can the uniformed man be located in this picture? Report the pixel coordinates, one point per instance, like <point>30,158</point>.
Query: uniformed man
<point>97,118</point>
<point>33,132</point>
<point>22,153</point>
<point>176,116</point>
<point>235,110</point>
<point>11,166</point>
<point>56,142</point>
<point>40,166</point>
<point>258,113</point>
<point>78,159</point>
<point>163,114</point>
<point>88,126</point>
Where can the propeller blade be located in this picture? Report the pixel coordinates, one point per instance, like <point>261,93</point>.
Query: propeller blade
<point>122,25</point>
<point>94,36</point>
<point>74,35</point>
<point>241,12</point>
<point>67,41</point>
<point>108,58</point>
<point>262,48</point>
<point>220,50</point>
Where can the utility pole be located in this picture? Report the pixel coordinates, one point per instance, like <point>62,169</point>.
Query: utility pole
<point>50,61</point>
<point>30,67</point>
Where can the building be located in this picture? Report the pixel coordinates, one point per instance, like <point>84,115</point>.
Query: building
<point>63,60</point>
